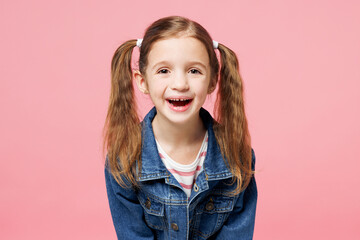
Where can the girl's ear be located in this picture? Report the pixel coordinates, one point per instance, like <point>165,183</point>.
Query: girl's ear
<point>212,86</point>
<point>140,81</point>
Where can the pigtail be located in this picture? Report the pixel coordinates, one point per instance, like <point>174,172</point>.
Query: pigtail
<point>232,133</point>
<point>122,125</point>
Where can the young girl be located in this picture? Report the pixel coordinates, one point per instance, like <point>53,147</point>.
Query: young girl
<point>179,174</point>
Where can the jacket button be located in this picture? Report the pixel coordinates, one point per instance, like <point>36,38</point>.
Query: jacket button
<point>196,188</point>
<point>209,206</point>
<point>174,227</point>
<point>148,204</point>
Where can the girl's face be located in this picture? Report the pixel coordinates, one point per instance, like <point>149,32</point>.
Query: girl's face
<point>177,78</point>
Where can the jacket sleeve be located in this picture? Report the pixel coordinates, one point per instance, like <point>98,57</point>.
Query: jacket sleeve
<point>126,211</point>
<point>240,224</point>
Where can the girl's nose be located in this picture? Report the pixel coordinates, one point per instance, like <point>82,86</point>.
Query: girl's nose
<point>180,82</point>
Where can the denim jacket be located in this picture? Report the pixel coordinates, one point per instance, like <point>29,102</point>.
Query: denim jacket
<point>160,209</point>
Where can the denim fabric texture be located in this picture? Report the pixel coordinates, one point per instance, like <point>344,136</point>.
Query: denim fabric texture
<point>160,209</point>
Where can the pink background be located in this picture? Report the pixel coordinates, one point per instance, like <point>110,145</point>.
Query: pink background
<point>300,61</point>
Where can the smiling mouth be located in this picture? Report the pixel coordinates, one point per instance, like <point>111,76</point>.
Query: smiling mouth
<point>179,102</point>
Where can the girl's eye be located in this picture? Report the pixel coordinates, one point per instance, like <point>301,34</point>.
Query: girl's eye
<point>195,71</point>
<point>163,71</point>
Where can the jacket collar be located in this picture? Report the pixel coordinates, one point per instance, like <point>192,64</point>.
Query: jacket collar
<point>153,167</point>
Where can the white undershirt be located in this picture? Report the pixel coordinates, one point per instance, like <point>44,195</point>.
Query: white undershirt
<point>185,174</point>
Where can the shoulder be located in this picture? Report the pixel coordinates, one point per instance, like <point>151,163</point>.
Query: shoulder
<point>117,182</point>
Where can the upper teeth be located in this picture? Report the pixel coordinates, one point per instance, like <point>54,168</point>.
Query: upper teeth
<point>178,100</point>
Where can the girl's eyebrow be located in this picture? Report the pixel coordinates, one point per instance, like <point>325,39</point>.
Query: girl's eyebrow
<point>197,63</point>
<point>160,63</point>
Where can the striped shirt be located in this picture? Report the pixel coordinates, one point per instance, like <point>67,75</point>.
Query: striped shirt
<point>185,174</point>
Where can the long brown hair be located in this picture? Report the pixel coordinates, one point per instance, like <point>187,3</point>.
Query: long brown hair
<point>122,131</point>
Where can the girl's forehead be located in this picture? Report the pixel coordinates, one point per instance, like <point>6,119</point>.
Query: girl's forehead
<point>186,41</point>
<point>178,48</point>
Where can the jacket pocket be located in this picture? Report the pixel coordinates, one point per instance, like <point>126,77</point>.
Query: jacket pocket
<point>153,211</point>
<point>212,213</point>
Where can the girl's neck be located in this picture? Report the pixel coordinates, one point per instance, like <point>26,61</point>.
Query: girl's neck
<point>179,134</point>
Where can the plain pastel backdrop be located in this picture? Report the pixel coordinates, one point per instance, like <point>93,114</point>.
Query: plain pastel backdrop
<point>300,61</point>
